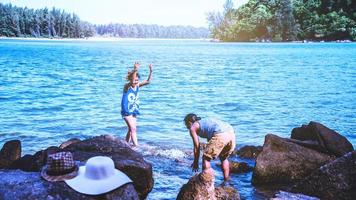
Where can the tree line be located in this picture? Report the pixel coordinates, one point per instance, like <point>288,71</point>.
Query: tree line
<point>285,20</point>
<point>151,31</point>
<point>25,22</point>
<point>56,23</point>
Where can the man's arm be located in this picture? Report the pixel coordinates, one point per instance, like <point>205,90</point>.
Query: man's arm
<point>195,138</point>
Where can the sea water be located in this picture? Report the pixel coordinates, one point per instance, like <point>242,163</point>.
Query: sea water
<point>51,91</point>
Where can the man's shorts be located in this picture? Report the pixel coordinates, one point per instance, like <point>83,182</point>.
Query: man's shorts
<point>220,145</point>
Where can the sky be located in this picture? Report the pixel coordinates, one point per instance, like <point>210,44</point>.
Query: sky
<point>161,12</point>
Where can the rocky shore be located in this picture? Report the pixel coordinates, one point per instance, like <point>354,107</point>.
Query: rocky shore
<point>315,161</point>
<point>20,176</point>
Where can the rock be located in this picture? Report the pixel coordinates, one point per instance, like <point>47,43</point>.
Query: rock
<point>34,163</point>
<point>282,161</point>
<point>26,163</point>
<point>10,152</point>
<point>201,187</point>
<point>311,144</point>
<point>335,180</point>
<point>127,160</point>
<point>282,195</point>
<point>18,185</point>
<point>226,193</point>
<point>239,167</point>
<point>327,140</point>
<point>69,142</point>
<point>248,151</point>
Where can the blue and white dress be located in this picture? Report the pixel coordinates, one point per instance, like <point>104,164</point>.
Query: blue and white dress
<point>130,102</point>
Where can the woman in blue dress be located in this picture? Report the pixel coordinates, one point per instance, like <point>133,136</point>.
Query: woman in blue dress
<point>130,101</point>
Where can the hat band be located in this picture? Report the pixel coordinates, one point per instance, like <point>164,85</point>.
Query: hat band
<point>63,172</point>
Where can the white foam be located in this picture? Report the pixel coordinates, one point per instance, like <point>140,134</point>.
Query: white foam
<point>176,154</point>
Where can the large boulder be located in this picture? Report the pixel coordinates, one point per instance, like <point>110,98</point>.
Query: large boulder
<point>327,140</point>
<point>127,160</point>
<point>282,161</point>
<point>201,187</point>
<point>19,185</point>
<point>10,152</point>
<point>335,180</point>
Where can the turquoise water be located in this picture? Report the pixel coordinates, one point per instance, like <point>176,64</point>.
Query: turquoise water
<point>51,91</point>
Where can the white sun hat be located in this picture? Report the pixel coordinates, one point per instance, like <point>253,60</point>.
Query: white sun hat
<point>98,176</point>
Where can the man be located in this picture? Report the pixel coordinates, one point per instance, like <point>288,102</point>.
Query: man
<point>221,142</point>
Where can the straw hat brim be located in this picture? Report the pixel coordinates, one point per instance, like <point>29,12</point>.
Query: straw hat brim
<point>84,185</point>
<point>60,177</point>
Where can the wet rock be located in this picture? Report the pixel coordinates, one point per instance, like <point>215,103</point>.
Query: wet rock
<point>19,185</point>
<point>201,187</point>
<point>282,161</point>
<point>335,180</point>
<point>10,152</point>
<point>321,138</point>
<point>282,195</point>
<point>127,160</point>
<point>239,167</point>
<point>249,151</point>
<point>226,193</point>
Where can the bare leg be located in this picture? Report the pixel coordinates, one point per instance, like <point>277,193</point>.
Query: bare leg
<point>128,134</point>
<point>225,167</point>
<point>131,133</point>
<point>134,132</point>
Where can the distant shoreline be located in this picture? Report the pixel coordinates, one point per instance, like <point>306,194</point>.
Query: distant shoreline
<point>117,39</point>
<point>97,39</point>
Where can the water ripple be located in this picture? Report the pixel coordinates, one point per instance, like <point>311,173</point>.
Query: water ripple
<point>53,91</point>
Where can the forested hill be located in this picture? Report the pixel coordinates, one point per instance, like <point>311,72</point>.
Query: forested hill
<point>151,31</point>
<point>285,20</point>
<point>56,23</point>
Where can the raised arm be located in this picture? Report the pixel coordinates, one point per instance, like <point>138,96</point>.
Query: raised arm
<point>136,66</point>
<point>148,81</point>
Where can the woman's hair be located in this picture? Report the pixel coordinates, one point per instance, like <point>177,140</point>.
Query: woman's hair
<point>191,117</point>
<point>131,74</point>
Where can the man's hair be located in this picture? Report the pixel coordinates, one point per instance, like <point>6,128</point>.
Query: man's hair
<point>191,117</point>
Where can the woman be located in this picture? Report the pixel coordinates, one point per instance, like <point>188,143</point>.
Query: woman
<point>130,101</point>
